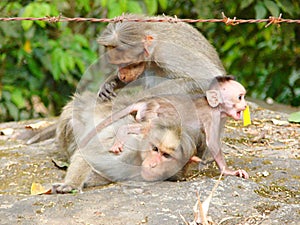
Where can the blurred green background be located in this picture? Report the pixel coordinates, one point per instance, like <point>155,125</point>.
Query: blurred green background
<point>42,63</point>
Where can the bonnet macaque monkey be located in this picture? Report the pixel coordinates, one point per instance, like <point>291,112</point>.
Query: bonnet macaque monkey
<point>225,98</point>
<point>161,152</point>
<point>171,50</point>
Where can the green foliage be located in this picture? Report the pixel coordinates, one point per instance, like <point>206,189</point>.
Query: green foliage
<point>294,117</point>
<point>41,63</point>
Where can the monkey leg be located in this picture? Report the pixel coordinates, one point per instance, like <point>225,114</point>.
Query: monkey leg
<point>77,174</point>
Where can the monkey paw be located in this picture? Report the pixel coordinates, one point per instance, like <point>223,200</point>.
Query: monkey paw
<point>238,173</point>
<point>106,92</point>
<point>63,189</point>
<point>117,147</point>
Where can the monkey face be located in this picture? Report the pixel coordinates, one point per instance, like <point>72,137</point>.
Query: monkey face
<point>233,94</point>
<point>130,61</point>
<point>164,160</point>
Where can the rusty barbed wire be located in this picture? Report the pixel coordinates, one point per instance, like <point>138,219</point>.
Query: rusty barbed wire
<point>226,20</point>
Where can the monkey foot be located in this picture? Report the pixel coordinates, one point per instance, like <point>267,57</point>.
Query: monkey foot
<point>117,147</point>
<point>63,189</point>
<point>238,173</point>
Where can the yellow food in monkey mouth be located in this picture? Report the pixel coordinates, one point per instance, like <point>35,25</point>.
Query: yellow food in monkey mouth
<point>131,72</point>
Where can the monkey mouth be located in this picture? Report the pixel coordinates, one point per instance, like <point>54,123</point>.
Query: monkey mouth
<point>239,114</point>
<point>130,72</point>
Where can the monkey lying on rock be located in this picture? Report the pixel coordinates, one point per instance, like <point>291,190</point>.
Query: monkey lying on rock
<point>163,151</point>
<point>151,147</point>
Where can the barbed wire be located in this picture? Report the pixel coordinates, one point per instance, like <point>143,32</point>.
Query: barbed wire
<point>122,18</point>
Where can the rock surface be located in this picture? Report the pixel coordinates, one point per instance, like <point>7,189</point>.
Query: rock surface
<point>268,149</point>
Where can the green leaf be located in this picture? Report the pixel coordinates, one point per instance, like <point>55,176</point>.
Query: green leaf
<point>104,3</point>
<point>287,6</point>
<point>81,40</point>
<point>272,7</point>
<point>55,62</point>
<point>34,68</point>
<point>134,7</point>
<point>123,5</point>
<point>63,63</point>
<point>294,117</point>
<point>245,3</point>
<point>70,62</point>
<point>114,10</point>
<point>80,64</point>
<point>41,10</point>
<point>260,11</point>
<point>164,4</point>
<point>85,4</point>
<point>228,44</point>
<point>17,98</point>
<point>151,6</point>
<point>13,110</point>
<point>27,13</point>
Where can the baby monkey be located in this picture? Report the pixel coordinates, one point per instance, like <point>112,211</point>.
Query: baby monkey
<point>224,98</point>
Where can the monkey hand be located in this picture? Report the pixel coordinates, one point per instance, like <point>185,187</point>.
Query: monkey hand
<point>238,173</point>
<point>117,147</point>
<point>106,91</point>
<point>63,189</point>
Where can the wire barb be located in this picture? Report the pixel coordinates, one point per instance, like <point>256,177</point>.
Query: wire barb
<point>229,21</point>
<point>274,20</point>
<point>53,19</point>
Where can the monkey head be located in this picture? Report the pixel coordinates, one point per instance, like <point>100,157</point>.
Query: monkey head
<point>234,103</point>
<point>170,151</point>
<point>128,47</point>
<point>229,96</point>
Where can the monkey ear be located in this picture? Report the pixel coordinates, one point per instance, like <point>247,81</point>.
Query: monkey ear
<point>148,43</point>
<point>213,98</point>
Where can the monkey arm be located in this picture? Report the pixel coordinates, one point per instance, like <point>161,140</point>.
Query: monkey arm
<point>124,131</point>
<point>77,173</point>
<point>213,141</point>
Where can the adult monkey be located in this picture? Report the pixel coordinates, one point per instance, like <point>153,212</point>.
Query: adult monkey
<point>174,50</point>
<point>161,152</point>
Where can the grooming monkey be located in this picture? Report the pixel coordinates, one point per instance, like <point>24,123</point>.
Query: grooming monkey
<point>167,50</point>
<point>163,151</point>
<point>224,98</point>
<point>170,50</point>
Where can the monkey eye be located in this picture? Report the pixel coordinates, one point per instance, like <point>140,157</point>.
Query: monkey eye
<point>241,97</point>
<point>166,155</point>
<point>154,148</point>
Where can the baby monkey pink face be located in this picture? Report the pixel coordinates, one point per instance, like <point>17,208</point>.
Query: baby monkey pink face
<point>233,94</point>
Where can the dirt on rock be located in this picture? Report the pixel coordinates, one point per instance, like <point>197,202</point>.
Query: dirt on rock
<point>268,150</point>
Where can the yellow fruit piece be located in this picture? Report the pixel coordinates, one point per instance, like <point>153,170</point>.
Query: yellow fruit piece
<point>246,116</point>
